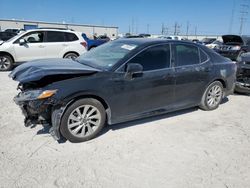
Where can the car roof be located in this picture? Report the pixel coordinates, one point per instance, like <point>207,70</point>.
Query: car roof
<point>151,41</point>
<point>52,29</point>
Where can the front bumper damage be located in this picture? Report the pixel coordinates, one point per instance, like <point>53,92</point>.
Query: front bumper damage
<point>41,112</point>
<point>242,84</point>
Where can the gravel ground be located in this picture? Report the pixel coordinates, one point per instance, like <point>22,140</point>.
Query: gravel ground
<point>190,148</point>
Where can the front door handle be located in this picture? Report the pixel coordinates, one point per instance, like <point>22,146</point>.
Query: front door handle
<point>41,46</point>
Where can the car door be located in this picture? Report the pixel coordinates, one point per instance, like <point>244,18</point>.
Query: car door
<point>151,90</point>
<point>55,44</point>
<point>32,49</point>
<point>192,68</point>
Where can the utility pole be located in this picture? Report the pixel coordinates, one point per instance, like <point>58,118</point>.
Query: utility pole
<point>187,28</point>
<point>232,18</point>
<point>147,28</point>
<point>136,26</point>
<point>243,14</point>
<point>133,25</point>
<point>162,29</point>
<point>176,29</point>
<point>195,32</point>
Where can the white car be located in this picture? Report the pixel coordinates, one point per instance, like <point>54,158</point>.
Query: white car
<point>41,44</point>
<point>215,44</point>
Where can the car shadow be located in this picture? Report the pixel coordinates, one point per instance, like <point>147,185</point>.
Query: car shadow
<point>143,121</point>
<point>139,122</point>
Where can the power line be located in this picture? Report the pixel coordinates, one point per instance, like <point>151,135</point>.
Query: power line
<point>243,14</point>
<point>232,18</point>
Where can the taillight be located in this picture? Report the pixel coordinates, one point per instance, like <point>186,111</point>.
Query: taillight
<point>84,44</point>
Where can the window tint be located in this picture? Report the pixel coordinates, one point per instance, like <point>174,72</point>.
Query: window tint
<point>55,36</point>
<point>153,58</point>
<point>186,54</point>
<point>71,37</point>
<point>203,56</point>
<point>33,37</point>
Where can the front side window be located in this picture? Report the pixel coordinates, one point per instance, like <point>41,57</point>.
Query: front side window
<point>55,36</point>
<point>153,58</point>
<point>33,37</point>
<point>186,55</point>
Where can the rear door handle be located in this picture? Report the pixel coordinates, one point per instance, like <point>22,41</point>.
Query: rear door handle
<point>206,69</point>
<point>203,69</point>
<point>41,46</point>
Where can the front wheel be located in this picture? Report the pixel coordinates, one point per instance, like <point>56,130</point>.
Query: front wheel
<point>83,120</point>
<point>212,97</point>
<point>6,63</point>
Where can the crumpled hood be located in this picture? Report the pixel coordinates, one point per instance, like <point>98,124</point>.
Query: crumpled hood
<point>232,39</point>
<point>37,69</point>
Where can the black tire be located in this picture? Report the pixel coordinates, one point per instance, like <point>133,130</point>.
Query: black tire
<point>6,62</point>
<point>77,136</point>
<point>206,98</point>
<point>71,55</point>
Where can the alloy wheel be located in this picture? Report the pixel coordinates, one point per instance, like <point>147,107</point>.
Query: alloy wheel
<point>214,96</point>
<point>84,121</point>
<point>4,63</point>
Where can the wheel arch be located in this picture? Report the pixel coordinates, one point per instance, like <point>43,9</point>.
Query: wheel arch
<point>224,83</point>
<point>6,53</point>
<point>71,52</point>
<point>79,96</point>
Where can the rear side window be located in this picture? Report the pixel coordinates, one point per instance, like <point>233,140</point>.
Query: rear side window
<point>186,54</point>
<point>203,56</point>
<point>70,37</point>
<point>55,36</point>
<point>153,58</point>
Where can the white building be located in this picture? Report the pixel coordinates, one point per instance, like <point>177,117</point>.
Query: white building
<point>89,30</point>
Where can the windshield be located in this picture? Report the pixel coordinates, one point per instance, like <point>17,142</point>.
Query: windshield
<point>107,55</point>
<point>15,37</point>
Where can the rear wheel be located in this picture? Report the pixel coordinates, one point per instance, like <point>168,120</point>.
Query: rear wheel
<point>6,62</point>
<point>71,55</point>
<point>83,120</point>
<point>212,97</point>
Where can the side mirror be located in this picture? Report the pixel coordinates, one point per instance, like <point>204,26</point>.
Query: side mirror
<point>134,70</point>
<point>22,42</point>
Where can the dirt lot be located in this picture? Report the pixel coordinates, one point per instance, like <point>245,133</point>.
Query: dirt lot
<point>190,148</point>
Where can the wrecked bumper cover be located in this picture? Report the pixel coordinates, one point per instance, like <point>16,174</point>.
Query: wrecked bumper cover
<point>242,87</point>
<point>40,112</point>
<point>242,84</point>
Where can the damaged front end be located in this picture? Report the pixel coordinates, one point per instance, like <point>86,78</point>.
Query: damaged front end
<point>36,105</point>
<point>243,74</point>
<point>39,99</point>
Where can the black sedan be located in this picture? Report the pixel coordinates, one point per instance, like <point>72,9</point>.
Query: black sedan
<point>120,81</point>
